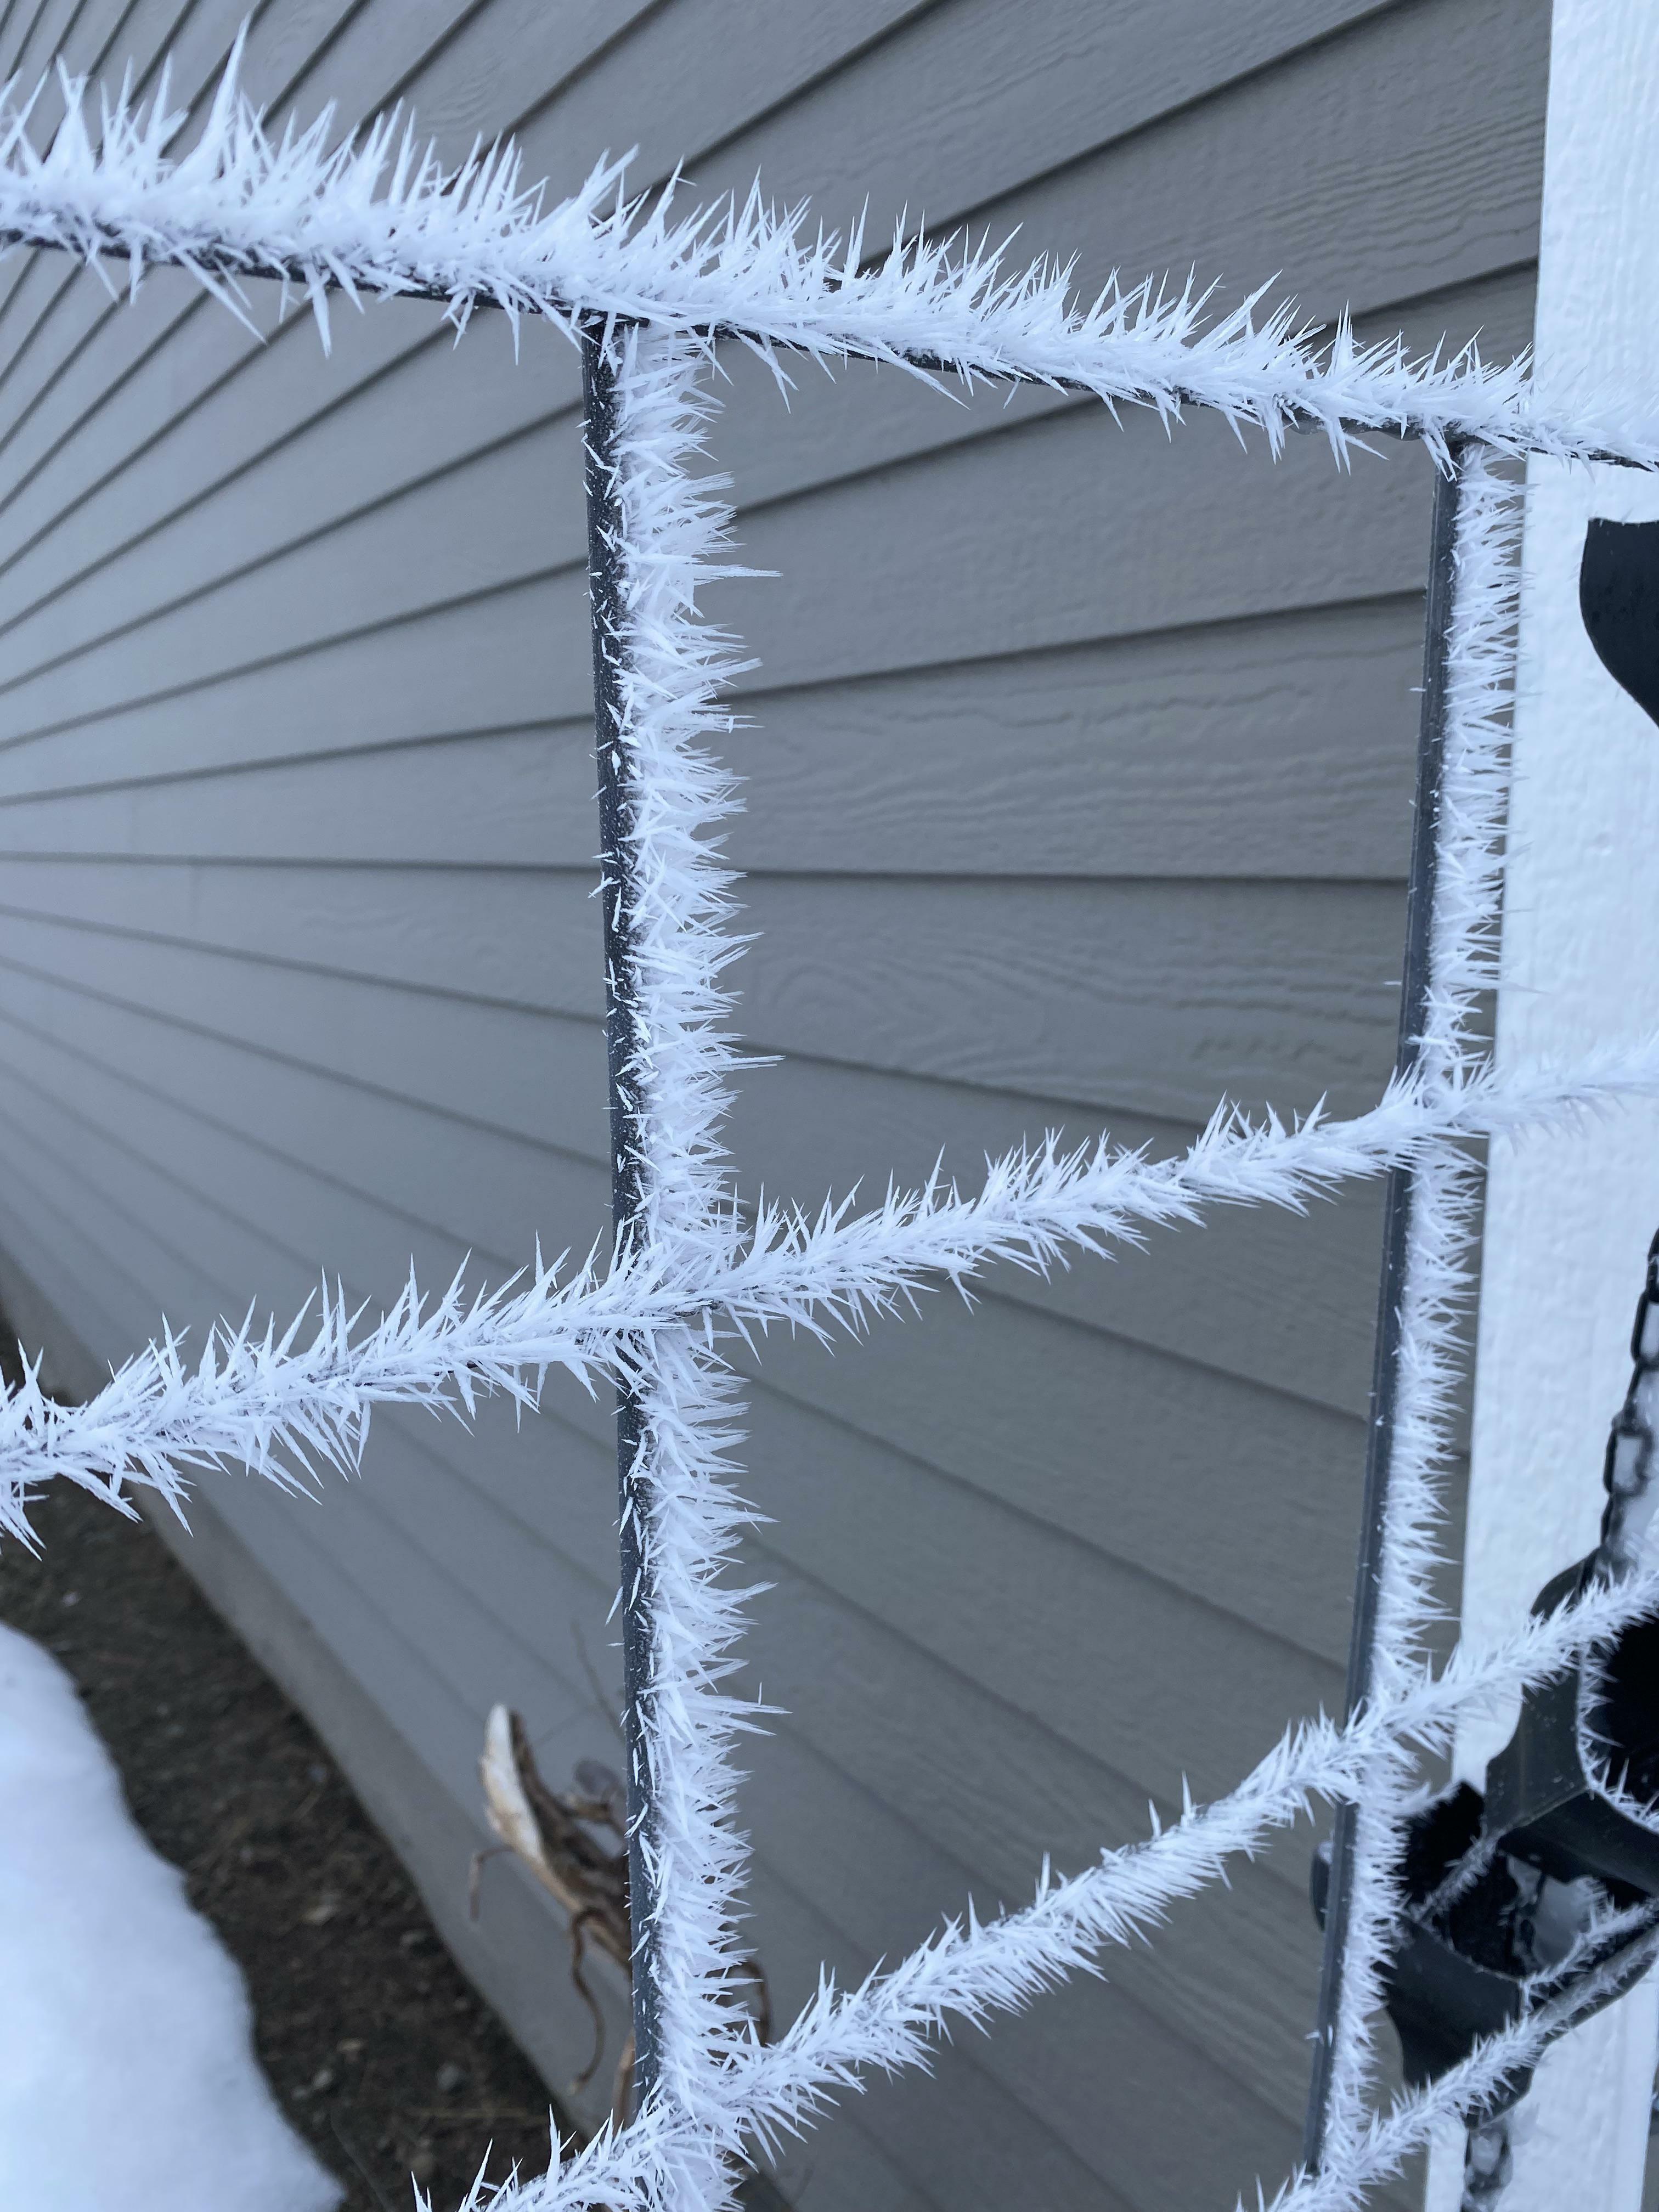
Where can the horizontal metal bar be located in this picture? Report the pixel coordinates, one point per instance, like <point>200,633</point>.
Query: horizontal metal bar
<point>223,263</point>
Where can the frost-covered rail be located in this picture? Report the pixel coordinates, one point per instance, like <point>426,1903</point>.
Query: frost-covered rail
<point>648,293</point>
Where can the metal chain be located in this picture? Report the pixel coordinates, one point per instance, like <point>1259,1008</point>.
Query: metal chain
<point>1627,1472</point>
<point>1632,1498</point>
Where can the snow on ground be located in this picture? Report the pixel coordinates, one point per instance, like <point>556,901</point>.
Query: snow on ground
<point>128,2081</point>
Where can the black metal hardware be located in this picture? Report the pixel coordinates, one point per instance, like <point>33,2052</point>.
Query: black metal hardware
<point>1547,1790</point>
<point>1414,1011</point>
<point>1499,1889</point>
<point>604,539</point>
<point>1572,1789</point>
<point>1481,1919</point>
<point>1619,601</point>
<point>1450,1983</point>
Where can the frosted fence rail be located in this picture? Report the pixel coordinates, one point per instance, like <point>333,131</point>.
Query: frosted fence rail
<point>648,293</point>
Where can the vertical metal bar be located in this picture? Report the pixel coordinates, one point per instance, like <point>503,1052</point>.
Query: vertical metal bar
<point>627,1163</point>
<point>1385,1373</point>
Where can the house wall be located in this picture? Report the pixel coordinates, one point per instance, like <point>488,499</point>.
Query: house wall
<point>1079,761</point>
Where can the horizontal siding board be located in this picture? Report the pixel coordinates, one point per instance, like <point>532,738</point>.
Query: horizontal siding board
<point>963,104</point>
<point>943,1767</point>
<point>357,416</point>
<point>1155,999</point>
<point>1269,750</point>
<point>417,1157</point>
<point>509,65</point>
<point>1210,1969</point>
<point>69,1266</point>
<point>103,453</point>
<point>515,939</point>
<point>1097,532</point>
<point>457,535</point>
<point>1364,179</point>
<point>501,799</point>
<point>142,1273</point>
<point>1265,749</point>
<point>1305,965</point>
<point>377,53</point>
<point>1262,1305</point>
<point>117,386</point>
<point>45,37</point>
<point>481,1071</point>
<point>982,1784</point>
<point>987,2135</point>
<point>20,20</point>
<point>481,663</point>
<point>278,61</point>
<point>1082,2073</point>
<point>1285,1299</point>
<point>1188,1498</point>
<point>1092,1445</point>
<point>195,1255</point>
<point>842,2164</point>
<point>426,1197</point>
<point>499,63</point>
<point>122,378</point>
<point>393,1631</point>
<point>1349,169</point>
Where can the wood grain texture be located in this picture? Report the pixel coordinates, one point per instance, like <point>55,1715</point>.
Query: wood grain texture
<point>1155,998</point>
<point>963,104</point>
<point>1363,176</point>
<point>555,72</point>
<point>1205,753</point>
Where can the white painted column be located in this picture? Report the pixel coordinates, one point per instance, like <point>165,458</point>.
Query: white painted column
<point>1568,1217</point>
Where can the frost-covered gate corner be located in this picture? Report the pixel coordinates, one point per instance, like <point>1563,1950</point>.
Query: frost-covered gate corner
<point>649,297</point>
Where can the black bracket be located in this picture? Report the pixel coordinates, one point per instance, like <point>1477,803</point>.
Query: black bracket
<point>1618,602</point>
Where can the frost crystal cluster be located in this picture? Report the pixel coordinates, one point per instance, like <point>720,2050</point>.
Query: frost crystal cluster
<point>655,291</point>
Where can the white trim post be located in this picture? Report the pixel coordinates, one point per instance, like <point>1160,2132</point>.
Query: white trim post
<point>1569,1213</point>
